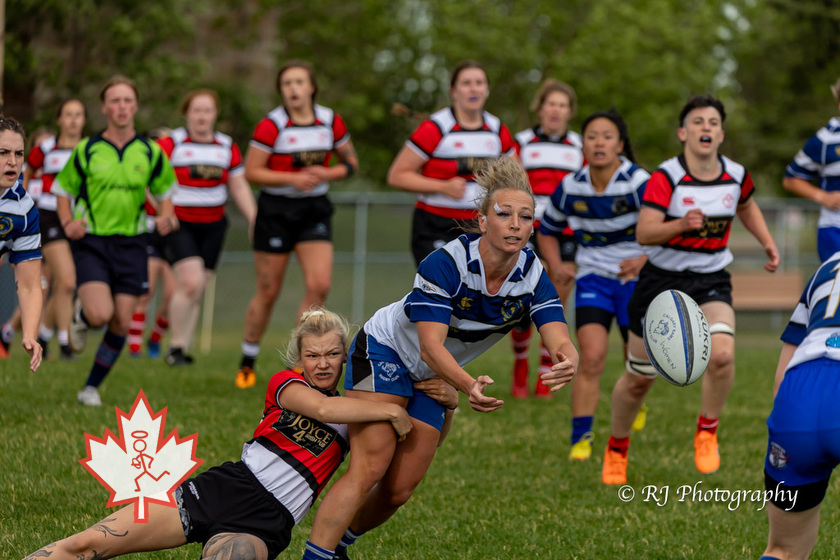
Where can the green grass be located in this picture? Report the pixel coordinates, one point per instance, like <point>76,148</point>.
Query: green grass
<point>500,487</point>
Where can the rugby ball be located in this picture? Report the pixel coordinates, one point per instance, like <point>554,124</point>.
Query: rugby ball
<point>677,338</point>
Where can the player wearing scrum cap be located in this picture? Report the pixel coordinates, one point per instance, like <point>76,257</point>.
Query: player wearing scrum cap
<point>687,212</point>
<point>819,160</point>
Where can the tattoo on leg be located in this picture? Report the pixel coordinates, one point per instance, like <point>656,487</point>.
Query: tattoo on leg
<point>106,530</point>
<point>43,553</point>
<point>234,547</point>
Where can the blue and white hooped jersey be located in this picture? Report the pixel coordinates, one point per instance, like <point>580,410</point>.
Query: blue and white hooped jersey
<point>450,288</point>
<point>604,223</point>
<point>20,233</point>
<point>820,159</point>
<point>814,326</point>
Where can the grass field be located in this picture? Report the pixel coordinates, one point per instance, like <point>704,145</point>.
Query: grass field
<point>501,486</point>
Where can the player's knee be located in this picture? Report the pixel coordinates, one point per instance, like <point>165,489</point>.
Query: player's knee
<point>398,497</point>
<point>592,362</point>
<point>640,367</point>
<point>236,547</point>
<point>77,545</point>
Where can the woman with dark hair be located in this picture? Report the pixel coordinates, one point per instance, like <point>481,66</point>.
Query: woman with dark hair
<point>601,205</point>
<point>289,157</point>
<point>687,212</point>
<point>549,151</point>
<point>440,159</point>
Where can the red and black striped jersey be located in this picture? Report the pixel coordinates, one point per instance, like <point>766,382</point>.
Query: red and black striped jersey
<point>673,191</point>
<point>292,455</point>
<point>293,146</point>
<point>203,169</point>
<point>50,159</point>
<point>449,150</point>
<point>547,159</point>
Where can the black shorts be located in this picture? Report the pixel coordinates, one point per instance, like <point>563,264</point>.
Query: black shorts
<point>568,247</point>
<point>117,260</point>
<point>50,225</point>
<point>430,232</point>
<point>702,288</point>
<point>155,244</point>
<point>283,222</point>
<point>196,239</point>
<point>230,499</point>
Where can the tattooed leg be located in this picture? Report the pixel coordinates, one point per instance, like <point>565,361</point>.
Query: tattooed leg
<point>118,534</point>
<point>235,546</point>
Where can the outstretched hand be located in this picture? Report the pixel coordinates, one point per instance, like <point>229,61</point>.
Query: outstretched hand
<point>560,373</point>
<point>34,349</point>
<point>481,402</point>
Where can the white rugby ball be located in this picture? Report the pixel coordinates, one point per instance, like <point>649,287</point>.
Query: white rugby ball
<point>677,337</point>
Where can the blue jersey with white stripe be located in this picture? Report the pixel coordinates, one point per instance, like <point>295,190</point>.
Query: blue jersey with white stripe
<point>450,288</point>
<point>814,326</point>
<point>604,222</point>
<point>20,233</point>
<point>819,160</point>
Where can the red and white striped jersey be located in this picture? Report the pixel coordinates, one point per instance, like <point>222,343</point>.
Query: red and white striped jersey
<point>672,190</point>
<point>292,455</point>
<point>50,159</point>
<point>547,159</point>
<point>450,150</point>
<point>203,169</point>
<point>293,147</point>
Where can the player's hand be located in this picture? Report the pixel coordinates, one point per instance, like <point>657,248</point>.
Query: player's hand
<point>773,258</point>
<point>440,390</point>
<point>318,171</point>
<point>136,463</point>
<point>692,220</point>
<point>454,188</point>
<point>481,402</point>
<point>831,200</point>
<point>630,268</point>
<point>35,351</point>
<point>305,180</point>
<point>401,422</point>
<point>165,225</point>
<point>560,373</point>
<point>76,229</point>
<point>564,276</point>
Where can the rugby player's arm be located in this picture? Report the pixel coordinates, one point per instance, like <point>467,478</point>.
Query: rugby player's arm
<point>305,400</point>
<point>257,171</point>
<point>653,229</point>
<point>805,189</point>
<point>432,336</point>
<point>243,197</point>
<point>404,174</point>
<point>28,283</point>
<point>753,219</point>
<point>784,359</point>
<point>564,355</point>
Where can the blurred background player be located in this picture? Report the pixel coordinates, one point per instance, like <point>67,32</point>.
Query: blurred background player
<point>819,160</point>
<point>548,151</point>
<point>442,155</point>
<point>47,158</point>
<point>107,224</point>
<point>289,157</point>
<point>601,203</point>
<point>161,280</point>
<point>247,509</point>
<point>687,213</point>
<point>21,236</point>
<point>208,165</point>
<point>803,444</point>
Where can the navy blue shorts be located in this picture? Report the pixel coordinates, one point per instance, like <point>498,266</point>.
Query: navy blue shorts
<point>803,444</point>
<point>375,368</point>
<point>828,242</point>
<point>117,260</point>
<point>230,499</point>
<point>608,294</point>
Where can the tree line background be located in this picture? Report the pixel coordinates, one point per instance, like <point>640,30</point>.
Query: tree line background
<point>770,61</point>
